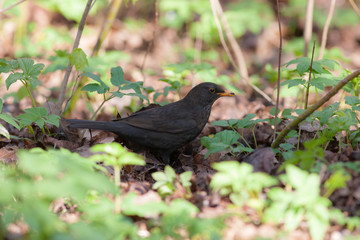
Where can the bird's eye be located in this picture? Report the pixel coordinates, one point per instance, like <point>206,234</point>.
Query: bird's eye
<point>212,90</point>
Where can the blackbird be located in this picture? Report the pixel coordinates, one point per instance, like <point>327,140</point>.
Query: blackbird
<point>167,128</point>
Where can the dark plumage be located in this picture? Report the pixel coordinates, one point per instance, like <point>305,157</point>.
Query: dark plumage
<point>164,129</point>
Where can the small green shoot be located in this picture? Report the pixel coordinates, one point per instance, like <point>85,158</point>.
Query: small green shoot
<point>117,80</point>
<point>241,184</point>
<point>167,181</point>
<point>9,119</point>
<point>117,156</point>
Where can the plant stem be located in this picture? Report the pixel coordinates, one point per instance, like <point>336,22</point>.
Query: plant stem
<point>308,82</point>
<point>117,180</point>
<point>29,92</point>
<point>76,44</point>
<point>279,66</point>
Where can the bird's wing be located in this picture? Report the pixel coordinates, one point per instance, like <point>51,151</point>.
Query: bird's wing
<point>168,119</point>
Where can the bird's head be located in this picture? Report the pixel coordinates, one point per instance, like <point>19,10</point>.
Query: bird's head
<point>206,94</point>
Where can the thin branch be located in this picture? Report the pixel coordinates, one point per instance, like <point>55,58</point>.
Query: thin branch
<point>12,6</point>
<point>308,25</point>
<point>308,83</point>
<point>240,66</point>
<point>313,108</point>
<point>326,28</point>
<point>233,43</point>
<point>279,66</point>
<point>76,44</point>
<point>108,21</point>
<point>151,44</point>
<point>356,9</point>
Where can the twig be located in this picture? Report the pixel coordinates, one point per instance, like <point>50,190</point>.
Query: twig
<point>76,44</point>
<point>240,66</point>
<point>313,108</point>
<point>279,65</point>
<point>109,18</point>
<point>12,6</point>
<point>308,25</point>
<point>308,83</point>
<point>151,42</point>
<point>326,28</point>
<point>237,50</point>
<point>356,9</point>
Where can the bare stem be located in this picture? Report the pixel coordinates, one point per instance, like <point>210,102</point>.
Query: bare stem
<point>308,83</point>
<point>308,25</point>
<point>326,29</point>
<point>279,66</point>
<point>76,44</point>
<point>356,9</point>
<point>240,65</point>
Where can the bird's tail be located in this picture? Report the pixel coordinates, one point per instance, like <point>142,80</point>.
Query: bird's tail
<point>100,125</point>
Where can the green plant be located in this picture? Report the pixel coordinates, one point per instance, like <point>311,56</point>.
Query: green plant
<point>117,80</point>
<point>9,119</point>
<point>178,222</point>
<point>116,156</point>
<point>320,78</point>
<point>350,222</point>
<point>337,180</point>
<point>167,181</point>
<point>28,76</point>
<point>241,184</point>
<point>300,200</point>
<point>305,158</point>
<point>40,177</point>
<point>228,139</point>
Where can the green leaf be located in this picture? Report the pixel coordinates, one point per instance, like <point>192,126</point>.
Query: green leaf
<point>303,64</point>
<point>169,172</point>
<point>185,178</point>
<point>317,226</point>
<point>93,87</point>
<point>293,82</point>
<point>4,66</point>
<point>35,115</point>
<point>293,217</point>
<point>221,141</point>
<point>9,119</point>
<point>222,123</point>
<point>103,88</point>
<point>118,94</point>
<point>147,209</point>
<point>117,76</point>
<point>337,180</point>
<point>296,176</point>
<point>4,131</point>
<point>36,69</point>
<point>12,78</point>
<point>139,95</point>
<point>78,59</point>
<point>317,68</point>
<point>53,119</point>
<point>328,63</point>
<point>246,122</point>
<point>159,176</point>
<point>116,155</point>
<point>26,65</point>
<point>321,82</point>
